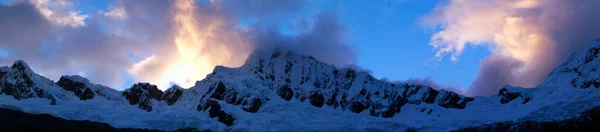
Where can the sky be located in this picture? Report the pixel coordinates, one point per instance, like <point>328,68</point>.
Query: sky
<point>472,47</point>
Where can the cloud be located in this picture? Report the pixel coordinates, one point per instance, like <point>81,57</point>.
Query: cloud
<point>325,38</point>
<point>156,41</point>
<point>54,49</point>
<point>116,12</point>
<point>59,12</point>
<point>527,37</point>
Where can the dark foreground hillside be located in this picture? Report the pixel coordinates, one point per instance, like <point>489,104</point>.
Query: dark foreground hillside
<point>13,121</point>
<point>587,121</point>
<point>17,121</point>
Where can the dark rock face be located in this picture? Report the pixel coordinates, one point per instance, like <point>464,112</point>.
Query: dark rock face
<point>141,94</point>
<point>2,73</point>
<point>21,85</point>
<point>317,99</point>
<point>17,121</point>
<point>215,110</point>
<point>286,93</point>
<point>254,106</point>
<point>431,97</point>
<point>589,83</point>
<point>506,96</point>
<point>586,121</point>
<point>87,94</point>
<point>230,96</point>
<point>223,93</point>
<point>453,100</point>
<point>333,100</point>
<point>592,53</point>
<point>219,93</point>
<point>78,88</point>
<point>172,95</point>
<point>394,108</point>
<point>357,107</point>
<point>397,100</point>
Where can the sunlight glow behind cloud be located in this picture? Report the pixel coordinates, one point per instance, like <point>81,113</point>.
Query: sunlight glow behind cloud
<point>200,46</point>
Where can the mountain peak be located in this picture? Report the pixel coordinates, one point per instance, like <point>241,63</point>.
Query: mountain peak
<point>579,70</point>
<point>21,66</point>
<point>142,94</point>
<point>21,82</point>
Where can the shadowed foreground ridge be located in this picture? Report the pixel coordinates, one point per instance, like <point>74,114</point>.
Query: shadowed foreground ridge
<point>17,121</point>
<point>586,121</point>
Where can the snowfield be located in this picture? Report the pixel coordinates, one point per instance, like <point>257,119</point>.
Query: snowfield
<point>283,91</point>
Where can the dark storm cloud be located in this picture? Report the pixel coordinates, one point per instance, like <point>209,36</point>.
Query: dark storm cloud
<point>325,39</point>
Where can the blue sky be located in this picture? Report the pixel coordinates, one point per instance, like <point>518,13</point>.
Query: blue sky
<point>393,45</point>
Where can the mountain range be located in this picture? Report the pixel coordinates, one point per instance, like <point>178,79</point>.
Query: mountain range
<point>279,90</point>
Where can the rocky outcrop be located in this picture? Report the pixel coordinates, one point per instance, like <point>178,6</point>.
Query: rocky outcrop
<point>172,94</point>
<point>214,110</point>
<point>394,108</point>
<point>507,96</point>
<point>220,92</point>
<point>223,93</point>
<point>3,71</point>
<point>248,102</point>
<point>286,93</point>
<point>317,99</point>
<point>18,82</point>
<point>453,100</point>
<point>396,99</point>
<point>142,94</point>
<point>78,88</point>
<point>254,106</point>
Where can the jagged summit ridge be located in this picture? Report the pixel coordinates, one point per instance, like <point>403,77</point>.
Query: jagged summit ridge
<point>282,88</point>
<point>289,76</point>
<point>302,78</point>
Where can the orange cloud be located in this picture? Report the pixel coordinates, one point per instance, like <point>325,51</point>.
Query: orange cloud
<point>202,41</point>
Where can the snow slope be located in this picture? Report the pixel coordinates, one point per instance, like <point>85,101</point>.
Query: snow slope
<point>283,91</point>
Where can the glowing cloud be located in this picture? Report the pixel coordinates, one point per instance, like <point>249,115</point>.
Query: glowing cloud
<point>60,12</point>
<point>525,36</point>
<point>200,46</point>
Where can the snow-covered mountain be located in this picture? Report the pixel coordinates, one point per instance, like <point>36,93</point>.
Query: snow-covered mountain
<point>283,91</point>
